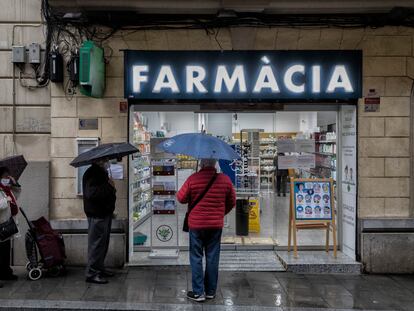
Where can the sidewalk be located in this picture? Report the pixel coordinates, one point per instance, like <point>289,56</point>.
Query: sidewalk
<point>165,289</point>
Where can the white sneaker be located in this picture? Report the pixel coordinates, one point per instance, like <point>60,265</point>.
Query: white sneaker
<point>195,297</point>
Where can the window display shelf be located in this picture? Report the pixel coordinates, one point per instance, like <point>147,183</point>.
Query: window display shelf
<point>318,173</point>
<point>166,212</point>
<point>164,192</point>
<point>142,219</point>
<point>139,203</point>
<point>328,167</point>
<point>267,156</point>
<point>163,173</point>
<point>164,183</point>
<point>266,184</point>
<point>141,179</point>
<point>141,190</point>
<point>324,154</point>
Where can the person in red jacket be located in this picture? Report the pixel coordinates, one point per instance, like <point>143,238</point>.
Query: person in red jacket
<point>206,222</point>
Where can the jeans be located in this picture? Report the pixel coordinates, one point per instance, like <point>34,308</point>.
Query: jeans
<point>99,232</point>
<point>205,241</point>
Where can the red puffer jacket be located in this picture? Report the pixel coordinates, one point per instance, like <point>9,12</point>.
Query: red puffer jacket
<point>217,202</point>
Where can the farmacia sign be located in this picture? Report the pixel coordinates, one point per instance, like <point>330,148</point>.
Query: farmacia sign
<point>243,75</point>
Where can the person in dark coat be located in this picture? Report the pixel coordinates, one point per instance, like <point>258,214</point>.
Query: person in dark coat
<point>99,197</point>
<point>206,222</point>
<point>281,176</point>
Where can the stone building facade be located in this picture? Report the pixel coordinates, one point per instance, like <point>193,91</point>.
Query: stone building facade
<point>47,120</point>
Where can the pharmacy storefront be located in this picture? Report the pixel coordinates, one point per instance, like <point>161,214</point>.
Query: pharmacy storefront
<point>291,115</point>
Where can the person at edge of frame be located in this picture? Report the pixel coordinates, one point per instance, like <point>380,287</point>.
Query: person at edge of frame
<point>9,190</point>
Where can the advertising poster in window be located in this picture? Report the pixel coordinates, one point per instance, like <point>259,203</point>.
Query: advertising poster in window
<point>312,200</point>
<point>349,175</point>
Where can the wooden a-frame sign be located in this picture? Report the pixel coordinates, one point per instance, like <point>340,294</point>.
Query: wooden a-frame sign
<point>312,206</point>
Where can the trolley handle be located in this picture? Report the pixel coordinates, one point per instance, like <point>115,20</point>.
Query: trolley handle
<point>27,219</point>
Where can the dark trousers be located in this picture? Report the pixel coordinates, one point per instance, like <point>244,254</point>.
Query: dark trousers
<point>5,268</point>
<point>205,242</point>
<point>281,184</point>
<point>99,233</point>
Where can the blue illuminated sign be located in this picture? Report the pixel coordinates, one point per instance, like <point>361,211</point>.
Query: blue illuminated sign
<point>243,75</point>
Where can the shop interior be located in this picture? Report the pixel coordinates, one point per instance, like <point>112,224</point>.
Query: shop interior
<point>154,177</point>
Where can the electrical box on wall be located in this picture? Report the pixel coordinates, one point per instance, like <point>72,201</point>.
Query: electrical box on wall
<point>56,67</point>
<point>34,53</point>
<point>73,68</point>
<point>18,54</point>
<point>91,70</point>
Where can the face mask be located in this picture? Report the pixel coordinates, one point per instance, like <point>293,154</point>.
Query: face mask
<point>5,181</point>
<point>107,165</point>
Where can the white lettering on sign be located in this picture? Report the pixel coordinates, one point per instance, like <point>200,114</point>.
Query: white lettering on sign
<point>165,80</point>
<point>339,79</point>
<point>266,79</point>
<point>195,76</point>
<point>197,79</point>
<point>316,79</point>
<point>289,79</point>
<point>138,78</point>
<point>230,82</point>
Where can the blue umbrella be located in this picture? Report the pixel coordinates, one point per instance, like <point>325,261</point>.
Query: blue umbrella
<point>199,146</point>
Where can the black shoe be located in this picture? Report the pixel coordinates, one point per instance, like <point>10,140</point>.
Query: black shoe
<point>1,285</point>
<point>284,194</point>
<point>210,296</point>
<point>107,274</point>
<point>97,279</point>
<point>9,277</point>
<point>195,297</point>
<point>278,194</point>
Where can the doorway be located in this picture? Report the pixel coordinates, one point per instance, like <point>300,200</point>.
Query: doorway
<point>319,124</point>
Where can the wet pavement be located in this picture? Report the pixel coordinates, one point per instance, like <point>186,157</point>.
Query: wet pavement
<point>158,288</point>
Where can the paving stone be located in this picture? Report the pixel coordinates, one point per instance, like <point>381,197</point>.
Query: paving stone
<point>166,289</point>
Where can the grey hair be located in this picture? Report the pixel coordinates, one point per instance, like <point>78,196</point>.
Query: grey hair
<point>208,163</point>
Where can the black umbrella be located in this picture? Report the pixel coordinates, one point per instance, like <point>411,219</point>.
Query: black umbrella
<point>105,151</point>
<point>15,164</point>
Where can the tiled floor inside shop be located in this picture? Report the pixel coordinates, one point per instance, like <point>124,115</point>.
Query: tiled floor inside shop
<point>165,289</point>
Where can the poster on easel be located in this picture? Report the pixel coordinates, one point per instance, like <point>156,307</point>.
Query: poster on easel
<point>312,206</point>
<point>312,200</point>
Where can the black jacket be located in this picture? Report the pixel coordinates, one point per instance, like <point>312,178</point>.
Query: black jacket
<point>278,172</point>
<point>99,196</point>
